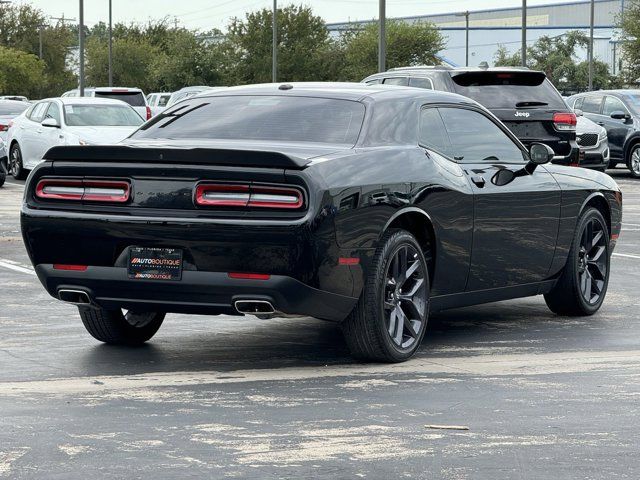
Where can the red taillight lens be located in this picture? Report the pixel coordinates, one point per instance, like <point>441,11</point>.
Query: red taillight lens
<point>565,121</point>
<point>239,195</point>
<point>4,128</point>
<point>148,112</point>
<point>112,191</point>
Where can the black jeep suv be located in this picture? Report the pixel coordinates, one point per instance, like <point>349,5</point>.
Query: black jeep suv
<point>525,100</point>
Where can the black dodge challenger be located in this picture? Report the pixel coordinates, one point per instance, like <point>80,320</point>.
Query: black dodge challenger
<point>366,205</point>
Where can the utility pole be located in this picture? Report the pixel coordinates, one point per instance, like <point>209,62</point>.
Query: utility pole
<point>274,41</point>
<point>40,41</point>
<point>466,48</point>
<point>591,16</point>
<point>110,46</point>
<point>81,42</point>
<point>524,33</point>
<point>382,37</point>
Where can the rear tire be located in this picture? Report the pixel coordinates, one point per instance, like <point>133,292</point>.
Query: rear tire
<point>583,282</point>
<point>15,165</point>
<point>633,163</point>
<point>116,328</point>
<point>390,318</point>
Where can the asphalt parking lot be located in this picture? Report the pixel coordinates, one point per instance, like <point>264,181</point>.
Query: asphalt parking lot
<point>543,397</point>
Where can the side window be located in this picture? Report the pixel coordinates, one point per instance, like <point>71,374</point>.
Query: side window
<point>591,104</point>
<point>162,101</point>
<point>432,132</point>
<point>375,81</point>
<point>475,138</point>
<point>404,81</point>
<point>421,83</point>
<point>54,112</point>
<point>38,112</point>
<point>578,102</point>
<point>612,104</point>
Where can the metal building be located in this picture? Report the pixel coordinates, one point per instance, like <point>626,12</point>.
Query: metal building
<point>489,29</point>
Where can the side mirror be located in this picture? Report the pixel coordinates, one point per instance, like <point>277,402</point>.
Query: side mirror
<point>50,122</point>
<point>578,112</point>
<point>620,115</point>
<point>539,154</point>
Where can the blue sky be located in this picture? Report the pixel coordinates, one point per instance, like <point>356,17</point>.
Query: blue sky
<point>205,14</point>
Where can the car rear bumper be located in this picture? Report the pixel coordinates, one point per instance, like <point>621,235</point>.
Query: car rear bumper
<point>197,292</point>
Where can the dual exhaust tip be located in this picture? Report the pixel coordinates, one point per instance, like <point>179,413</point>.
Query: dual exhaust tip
<point>249,307</point>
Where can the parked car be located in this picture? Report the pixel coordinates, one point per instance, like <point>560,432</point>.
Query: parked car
<point>618,111</point>
<point>322,200</point>
<point>9,109</point>
<point>525,100</point>
<point>18,98</point>
<point>66,121</point>
<point>158,101</point>
<point>185,93</point>
<point>133,96</point>
<point>593,144</point>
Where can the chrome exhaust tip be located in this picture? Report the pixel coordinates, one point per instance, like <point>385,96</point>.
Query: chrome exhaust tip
<point>76,297</point>
<point>254,307</point>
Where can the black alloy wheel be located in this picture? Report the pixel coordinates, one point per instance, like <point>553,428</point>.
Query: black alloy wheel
<point>582,285</point>
<point>15,166</point>
<point>390,318</point>
<point>405,296</point>
<point>592,261</point>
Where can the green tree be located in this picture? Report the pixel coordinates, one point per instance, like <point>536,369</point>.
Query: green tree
<point>407,44</point>
<point>20,73</point>
<point>630,26</point>
<point>303,43</point>
<point>19,29</point>
<point>557,58</point>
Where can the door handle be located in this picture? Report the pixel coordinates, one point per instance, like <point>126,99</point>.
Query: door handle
<point>478,180</point>
<point>39,130</point>
<point>600,123</point>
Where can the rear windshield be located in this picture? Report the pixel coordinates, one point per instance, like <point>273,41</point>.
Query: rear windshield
<point>13,108</point>
<point>269,118</point>
<point>101,116</point>
<point>508,89</point>
<point>135,99</point>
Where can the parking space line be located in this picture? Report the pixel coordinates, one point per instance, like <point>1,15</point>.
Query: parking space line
<point>18,268</point>
<point>626,255</point>
<point>631,224</point>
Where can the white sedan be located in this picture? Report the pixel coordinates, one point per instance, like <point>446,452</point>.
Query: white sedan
<point>66,121</point>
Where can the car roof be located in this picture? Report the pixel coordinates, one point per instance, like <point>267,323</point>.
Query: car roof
<point>454,70</point>
<point>86,101</point>
<point>192,88</point>
<point>341,90</point>
<point>14,102</point>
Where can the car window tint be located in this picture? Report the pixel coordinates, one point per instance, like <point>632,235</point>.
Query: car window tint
<point>404,81</point>
<point>421,83</point>
<point>101,115</point>
<point>591,104</point>
<point>37,115</point>
<point>612,104</point>
<point>54,112</point>
<point>578,102</point>
<point>475,138</point>
<point>433,133</point>
<point>375,81</point>
<point>135,99</point>
<point>256,117</point>
<point>162,100</point>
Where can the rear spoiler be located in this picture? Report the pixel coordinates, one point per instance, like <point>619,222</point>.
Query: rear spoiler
<point>195,156</point>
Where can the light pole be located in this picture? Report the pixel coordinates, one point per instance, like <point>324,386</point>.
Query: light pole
<point>466,43</point>
<point>81,46</point>
<point>524,33</point>
<point>591,15</point>
<point>40,40</point>
<point>274,41</point>
<point>110,47</point>
<point>382,36</point>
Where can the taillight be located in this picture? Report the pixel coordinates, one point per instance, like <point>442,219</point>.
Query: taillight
<point>111,191</point>
<point>148,112</point>
<point>4,128</point>
<point>565,121</point>
<point>241,195</point>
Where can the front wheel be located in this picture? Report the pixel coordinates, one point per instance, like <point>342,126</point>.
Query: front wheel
<point>583,282</point>
<point>16,167</point>
<point>634,161</point>
<point>118,328</point>
<point>390,319</point>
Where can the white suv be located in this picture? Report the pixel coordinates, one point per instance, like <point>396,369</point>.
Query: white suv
<point>133,96</point>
